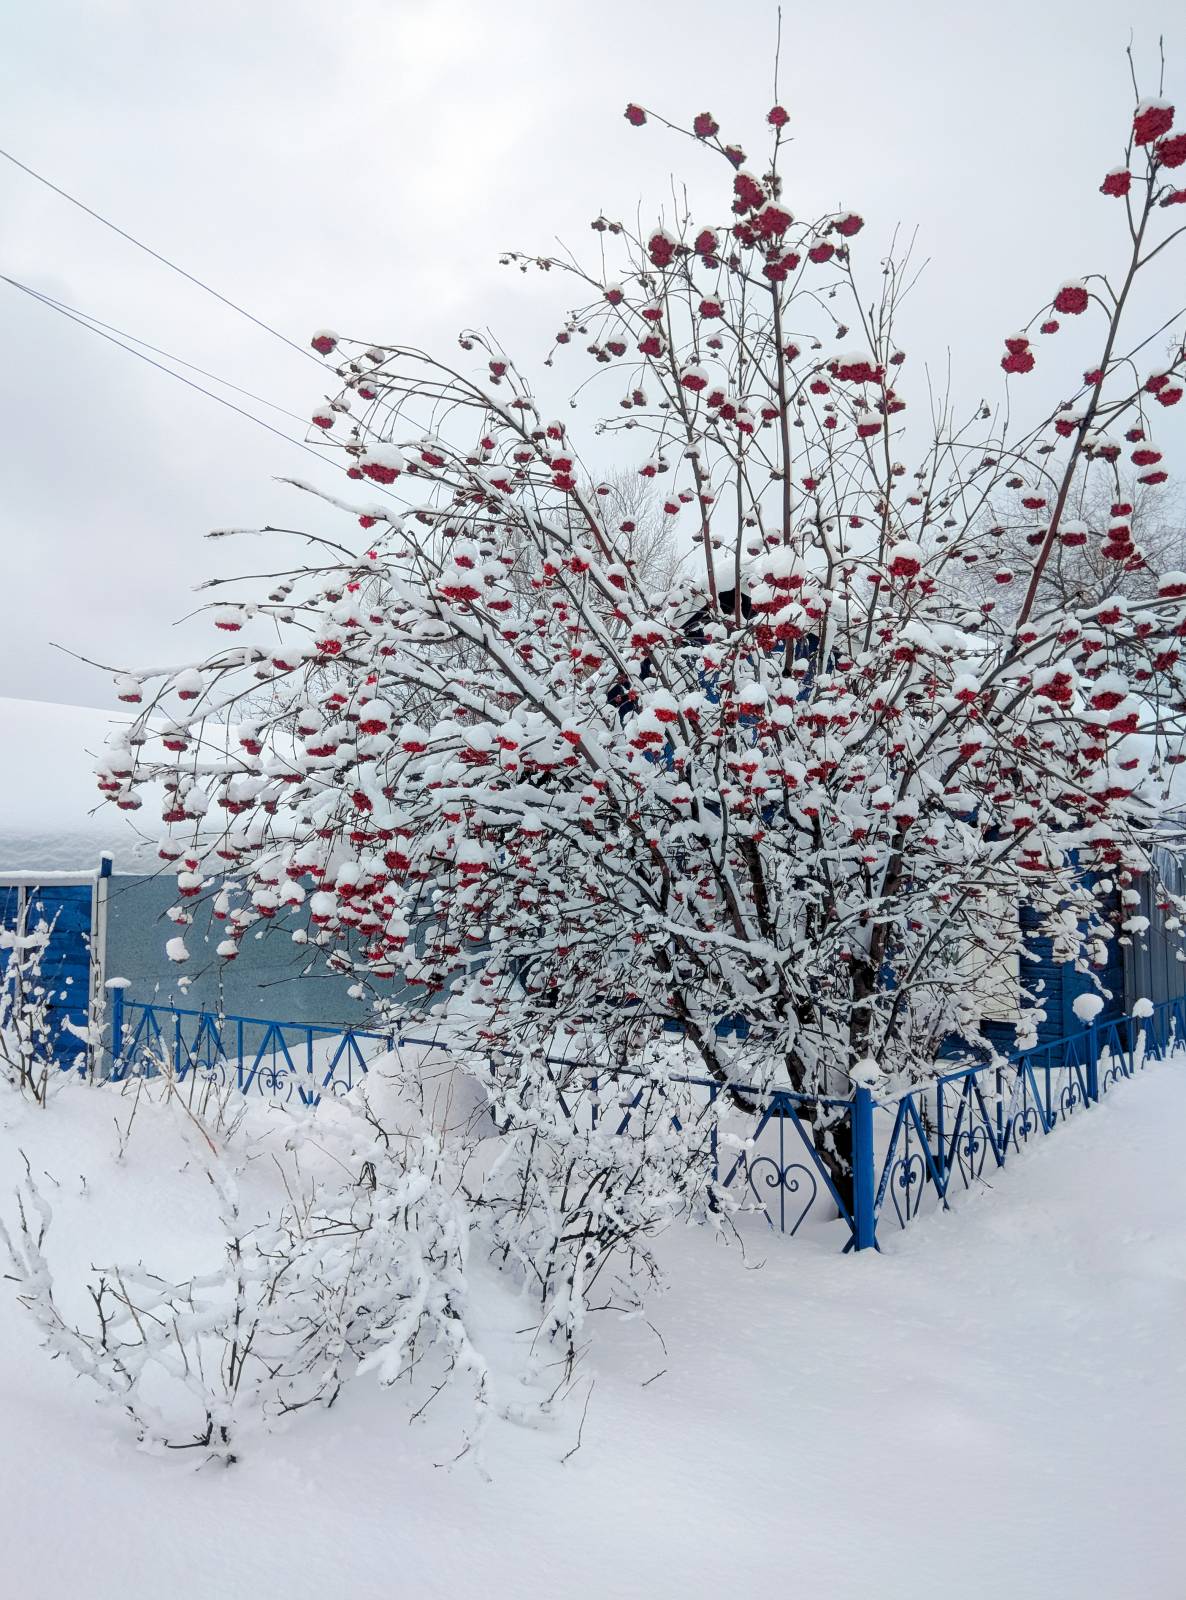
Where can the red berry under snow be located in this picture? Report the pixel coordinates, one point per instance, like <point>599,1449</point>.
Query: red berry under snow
<point>1117,182</point>
<point>1071,299</point>
<point>1152,119</point>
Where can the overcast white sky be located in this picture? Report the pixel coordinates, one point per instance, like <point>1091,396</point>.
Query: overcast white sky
<point>359,165</point>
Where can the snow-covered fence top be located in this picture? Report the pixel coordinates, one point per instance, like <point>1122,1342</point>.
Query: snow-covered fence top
<point>908,1154</point>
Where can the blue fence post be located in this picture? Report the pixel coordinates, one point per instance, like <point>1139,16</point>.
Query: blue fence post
<point>713,1137</point>
<point>1093,1062</point>
<point>864,1186</point>
<point>117,1030</point>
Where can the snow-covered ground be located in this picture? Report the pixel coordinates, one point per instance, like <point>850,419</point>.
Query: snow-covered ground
<point>993,1407</point>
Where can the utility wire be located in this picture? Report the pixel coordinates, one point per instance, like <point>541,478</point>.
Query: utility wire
<point>97,322</point>
<point>181,378</point>
<point>164,260</point>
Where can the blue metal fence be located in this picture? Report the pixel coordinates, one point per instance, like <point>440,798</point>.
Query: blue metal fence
<point>943,1136</point>
<point>909,1153</point>
<point>283,1061</point>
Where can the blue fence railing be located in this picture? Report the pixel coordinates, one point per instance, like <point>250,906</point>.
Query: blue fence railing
<point>768,1149</point>
<point>280,1060</point>
<point>946,1135</point>
<point>910,1153</point>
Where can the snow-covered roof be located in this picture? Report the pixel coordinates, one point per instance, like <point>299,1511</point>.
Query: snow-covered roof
<point>50,816</point>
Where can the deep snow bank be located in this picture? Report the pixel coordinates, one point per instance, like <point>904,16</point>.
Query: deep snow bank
<point>992,1407</point>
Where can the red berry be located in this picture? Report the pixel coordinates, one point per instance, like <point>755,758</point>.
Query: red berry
<point>1071,299</point>
<point>749,192</point>
<point>1152,119</point>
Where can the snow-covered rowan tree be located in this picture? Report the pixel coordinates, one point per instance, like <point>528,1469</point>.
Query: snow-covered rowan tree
<point>768,808</point>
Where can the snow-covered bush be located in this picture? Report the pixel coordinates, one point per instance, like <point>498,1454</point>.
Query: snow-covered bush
<point>27,1055</point>
<point>362,1272</point>
<point>472,750</point>
<point>585,1170</point>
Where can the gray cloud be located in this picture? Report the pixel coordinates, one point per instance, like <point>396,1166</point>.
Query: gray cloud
<point>361,165</point>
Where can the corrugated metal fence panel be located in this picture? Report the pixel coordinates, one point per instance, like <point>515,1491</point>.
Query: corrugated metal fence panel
<point>1153,970</point>
<point>67,907</point>
<point>10,904</point>
<point>66,969</point>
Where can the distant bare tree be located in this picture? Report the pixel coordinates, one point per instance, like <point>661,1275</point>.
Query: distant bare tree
<point>633,500</point>
<point>1081,573</point>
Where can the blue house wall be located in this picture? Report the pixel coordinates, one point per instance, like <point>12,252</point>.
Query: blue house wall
<point>1142,965</point>
<point>1054,986</point>
<point>271,976</point>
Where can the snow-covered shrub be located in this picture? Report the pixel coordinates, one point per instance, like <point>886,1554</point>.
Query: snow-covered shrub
<point>27,1054</point>
<point>475,751</point>
<point>584,1170</point>
<point>360,1272</point>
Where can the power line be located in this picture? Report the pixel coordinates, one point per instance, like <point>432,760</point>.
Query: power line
<point>156,255</point>
<point>97,322</point>
<point>53,305</point>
